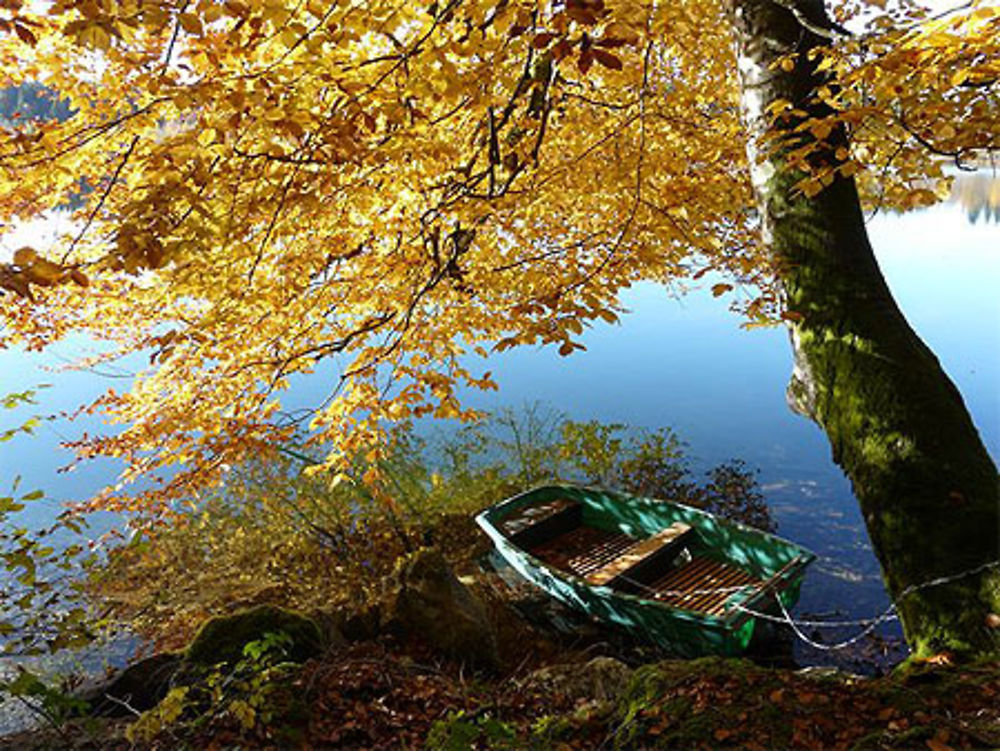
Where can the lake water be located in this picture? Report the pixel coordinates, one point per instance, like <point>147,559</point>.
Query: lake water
<point>684,363</point>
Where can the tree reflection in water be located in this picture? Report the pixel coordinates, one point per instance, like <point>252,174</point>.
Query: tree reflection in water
<point>979,195</point>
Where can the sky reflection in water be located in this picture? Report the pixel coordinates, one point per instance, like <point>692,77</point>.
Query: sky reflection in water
<point>685,363</point>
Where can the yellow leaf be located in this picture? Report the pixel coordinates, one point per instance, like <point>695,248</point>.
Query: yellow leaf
<point>93,35</point>
<point>849,168</point>
<point>191,24</point>
<point>810,187</point>
<point>207,136</point>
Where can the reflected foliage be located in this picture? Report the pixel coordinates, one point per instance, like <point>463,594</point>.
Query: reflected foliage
<point>41,610</point>
<point>275,533</point>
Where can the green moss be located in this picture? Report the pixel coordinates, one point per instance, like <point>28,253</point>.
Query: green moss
<point>461,731</point>
<point>222,639</point>
<point>656,710</point>
<point>546,730</point>
<point>926,484</point>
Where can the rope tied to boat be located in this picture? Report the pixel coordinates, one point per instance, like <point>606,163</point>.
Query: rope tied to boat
<point>889,614</point>
<point>870,624</point>
<point>873,623</point>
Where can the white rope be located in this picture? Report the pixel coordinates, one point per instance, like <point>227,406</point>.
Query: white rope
<point>682,593</point>
<point>889,614</point>
<point>885,616</point>
<point>947,579</point>
<point>691,592</point>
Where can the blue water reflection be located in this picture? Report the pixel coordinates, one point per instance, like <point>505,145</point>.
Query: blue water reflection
<point>686,363</point>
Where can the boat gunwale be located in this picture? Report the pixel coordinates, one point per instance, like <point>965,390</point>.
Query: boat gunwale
<point>733,617</point>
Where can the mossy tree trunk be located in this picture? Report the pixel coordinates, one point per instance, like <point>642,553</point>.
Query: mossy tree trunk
<point>928,489</point>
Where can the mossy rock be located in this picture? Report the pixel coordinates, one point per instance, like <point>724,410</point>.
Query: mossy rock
<point>600,679</point>
<point>223,638</point>
<point>656,696</point>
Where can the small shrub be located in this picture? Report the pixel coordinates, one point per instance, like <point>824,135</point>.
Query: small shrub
<point>277,534</point>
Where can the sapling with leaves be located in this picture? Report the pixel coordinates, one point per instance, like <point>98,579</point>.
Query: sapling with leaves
<point>41,611</point>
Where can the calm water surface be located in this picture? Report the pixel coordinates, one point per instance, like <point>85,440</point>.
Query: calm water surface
<point>687,364</point>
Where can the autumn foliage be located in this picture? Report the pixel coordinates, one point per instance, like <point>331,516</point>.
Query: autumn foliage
<point>379,192</point>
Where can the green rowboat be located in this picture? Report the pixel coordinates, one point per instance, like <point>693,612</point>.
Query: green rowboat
<point>683,578</point>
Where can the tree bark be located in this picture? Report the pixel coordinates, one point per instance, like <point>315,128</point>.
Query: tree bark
<point>927,487</point>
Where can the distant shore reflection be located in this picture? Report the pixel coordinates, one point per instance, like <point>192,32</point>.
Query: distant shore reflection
<point>979,195</point>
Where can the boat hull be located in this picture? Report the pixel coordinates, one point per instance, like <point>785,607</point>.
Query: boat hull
<point>778,564</point>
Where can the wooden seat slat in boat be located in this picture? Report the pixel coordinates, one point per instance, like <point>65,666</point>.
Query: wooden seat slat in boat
<point>688,574</point>
<point>531,516</point>
<point>582,550</point>
<point>686,586</point>
<point>533,525</point>
<point>702,592</point>
<point>640,553</point>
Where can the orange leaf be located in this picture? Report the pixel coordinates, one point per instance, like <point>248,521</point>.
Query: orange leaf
<point>79,277</point>
<point>541,41</point>
<point>944,658</point>
<point>25,35</point>
<point>563,47</point>
<point>25,256</point>
<point>606,59</point>
<point>191,23</point>
<point>611,42</point>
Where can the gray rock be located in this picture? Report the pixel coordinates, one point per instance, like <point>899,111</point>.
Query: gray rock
<point>424,599</point>
<point>138,687</point>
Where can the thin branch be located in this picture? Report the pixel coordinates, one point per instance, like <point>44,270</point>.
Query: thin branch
<point>103,198</point>
<point>173,39</point>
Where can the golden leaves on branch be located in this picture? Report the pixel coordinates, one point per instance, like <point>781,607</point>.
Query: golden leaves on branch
<point>30,269</point>
<point>380,192</point>
<point>913,91</point>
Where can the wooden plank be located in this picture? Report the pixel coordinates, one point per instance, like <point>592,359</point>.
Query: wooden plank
<point>584,564</point>
<point>638,553</point>
<point>581,550</point>
<point>680,578</point>
<point>584,550</point>
<point>530,516</point>
<point>702,573</point>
